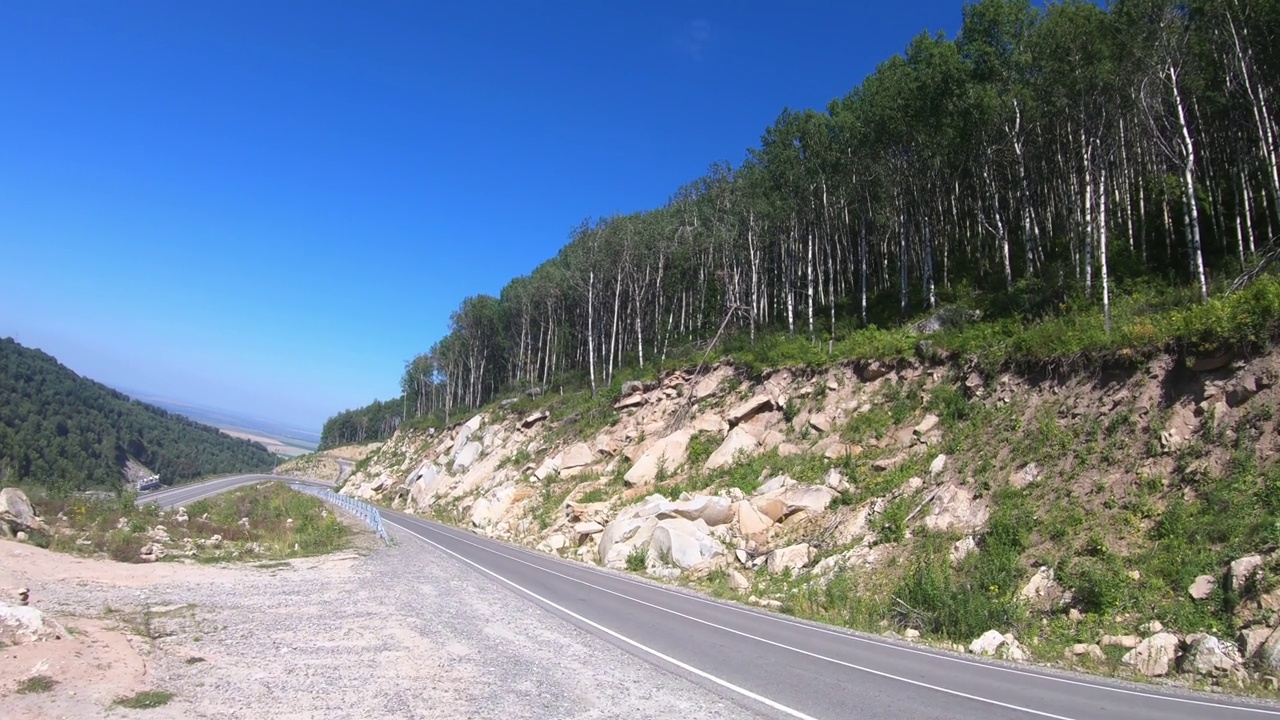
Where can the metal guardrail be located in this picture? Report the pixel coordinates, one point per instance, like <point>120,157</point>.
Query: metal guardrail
<point>362,511</point>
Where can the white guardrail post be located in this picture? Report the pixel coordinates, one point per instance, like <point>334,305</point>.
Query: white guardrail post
<point>362,511</point>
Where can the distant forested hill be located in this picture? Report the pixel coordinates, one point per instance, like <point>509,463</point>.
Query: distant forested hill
<point>63,431</point>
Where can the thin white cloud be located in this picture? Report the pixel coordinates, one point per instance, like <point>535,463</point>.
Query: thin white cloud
<point>695,39</point>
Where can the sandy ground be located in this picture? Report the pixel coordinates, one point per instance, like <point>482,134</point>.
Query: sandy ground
<point>377,632</point>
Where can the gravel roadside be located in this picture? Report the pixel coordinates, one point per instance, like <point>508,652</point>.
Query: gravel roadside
<point>383,632</point>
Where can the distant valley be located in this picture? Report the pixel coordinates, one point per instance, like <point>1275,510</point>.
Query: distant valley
<point>277,437</point>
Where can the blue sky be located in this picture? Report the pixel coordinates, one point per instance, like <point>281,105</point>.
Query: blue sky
<point>270,206</point>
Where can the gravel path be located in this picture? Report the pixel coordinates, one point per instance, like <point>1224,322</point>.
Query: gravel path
<point>398,632</point>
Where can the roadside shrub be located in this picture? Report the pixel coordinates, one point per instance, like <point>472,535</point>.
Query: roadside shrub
<point>638,558</point>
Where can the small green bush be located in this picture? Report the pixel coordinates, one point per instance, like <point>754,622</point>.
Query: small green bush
<point>638,558</point>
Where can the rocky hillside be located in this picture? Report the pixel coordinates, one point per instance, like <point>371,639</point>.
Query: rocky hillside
<point>1122,519</point>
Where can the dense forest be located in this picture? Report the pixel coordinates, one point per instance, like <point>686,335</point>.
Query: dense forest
<point>1046,160</point>
<point>66,432</point>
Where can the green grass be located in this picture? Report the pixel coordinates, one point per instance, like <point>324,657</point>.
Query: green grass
<point>964,601</point>
<point>36,684</point>
<point>145,700</point>
<point>1031,327</point>
<point>594,495</point>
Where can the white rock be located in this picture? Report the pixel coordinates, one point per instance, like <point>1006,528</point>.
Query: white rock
<point>1125,641</point>
<point>687,543</point>
<point>911,634</point>
<point>928,423</point>
<point>1151,628</point>
<point>1208,656</point>
<point>791,558</point>
<point>17,514</point>
<point>738,581</point>
<point>669,453</point>
<point>584,530</point>
<point>466,454</point>
<point>790,500</point>
<point>1203,587</point>
<point>739,443</point>
<point>711,509</point>
<point>938,465</point>
<point>962,547</point>
<point>757,404</point>
<point>1155,656</point>
<point>621,536</point>
<point>21,624</point>
<point>574,458</point>
<point>987,643</point>
<point>955,507</point>
<point>557,542</point>
<point>774,485</point>
<point>750,520</point>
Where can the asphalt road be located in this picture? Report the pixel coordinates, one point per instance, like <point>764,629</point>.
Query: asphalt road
<point>183,494</point>
<point>779,667</point>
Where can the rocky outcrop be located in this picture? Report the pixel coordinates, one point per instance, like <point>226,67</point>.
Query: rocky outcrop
<point>17,515</point>
<point>629,489</point>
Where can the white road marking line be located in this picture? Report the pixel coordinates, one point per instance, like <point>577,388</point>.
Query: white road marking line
<point>861,668</point>
<point>916,651</point>
<point>667,658</point>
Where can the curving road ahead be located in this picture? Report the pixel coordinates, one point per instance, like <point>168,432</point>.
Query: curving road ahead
<point>779,667</point>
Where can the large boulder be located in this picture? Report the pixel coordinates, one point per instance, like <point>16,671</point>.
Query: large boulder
<point>739,442</point>
<point>21,624</point>
<point>1267,656</point>
<point>711,509</point>
<point>1210,657</point>
<point>751,521</point>
<point>667,454</point>
<point>757,404</point>
<point>781,504</point>
<point>685,542</point>
<point>466,455</point>
<point>584,530</point>
<point>17,514</point>
<point>622,536</point>
<point>1242,570</point>
<point>790,558</point>
<point>1155,656</point>
<point>575,458</point>
<point>987,643</point>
